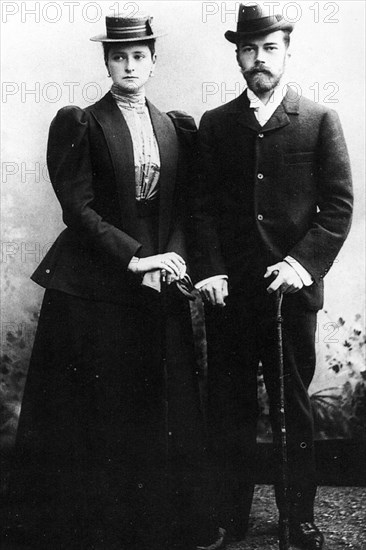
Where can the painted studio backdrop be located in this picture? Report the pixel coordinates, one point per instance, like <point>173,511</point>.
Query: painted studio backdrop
<point>49,62</point>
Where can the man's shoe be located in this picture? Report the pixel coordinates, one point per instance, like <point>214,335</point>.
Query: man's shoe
<point>306,536</point>
<point>218,544</point>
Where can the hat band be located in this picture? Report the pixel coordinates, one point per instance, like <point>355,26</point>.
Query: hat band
<point>257,24</point>
<point>137,31</point>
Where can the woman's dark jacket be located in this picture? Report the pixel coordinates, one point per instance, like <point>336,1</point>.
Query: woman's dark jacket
<point>91,165</point>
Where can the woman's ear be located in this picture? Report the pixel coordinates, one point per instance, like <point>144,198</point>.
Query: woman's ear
<point>153,63</point>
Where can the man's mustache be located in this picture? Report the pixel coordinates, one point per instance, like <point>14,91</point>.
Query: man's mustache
<point>257,70</point>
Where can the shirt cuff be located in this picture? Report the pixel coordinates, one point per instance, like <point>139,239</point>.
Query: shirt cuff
<point>133,263</point>
<point>300,270</point>
<point>202,283</point>
<point>152,279</point>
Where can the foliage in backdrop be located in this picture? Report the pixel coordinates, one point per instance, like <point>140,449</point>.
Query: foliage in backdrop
<point>339,409</point>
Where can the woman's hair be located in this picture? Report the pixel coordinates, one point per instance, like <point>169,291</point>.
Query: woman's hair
<point>108,45</point>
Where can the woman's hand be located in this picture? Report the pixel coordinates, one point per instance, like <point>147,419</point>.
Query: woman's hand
<point>172,263</point>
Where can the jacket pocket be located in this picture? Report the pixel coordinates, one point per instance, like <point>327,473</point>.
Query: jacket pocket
<point>299,158</point>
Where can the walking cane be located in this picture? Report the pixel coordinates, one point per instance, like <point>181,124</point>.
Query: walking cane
<point>186,288</point>
<point>284,528</point>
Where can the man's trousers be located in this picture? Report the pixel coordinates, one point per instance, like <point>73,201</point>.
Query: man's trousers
<point>240,336</point>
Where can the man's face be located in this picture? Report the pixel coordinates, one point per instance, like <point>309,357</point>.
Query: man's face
<point>262,60</point>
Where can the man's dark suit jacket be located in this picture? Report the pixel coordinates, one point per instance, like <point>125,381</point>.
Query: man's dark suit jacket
<point>91,166</point>
<point>272,191</point>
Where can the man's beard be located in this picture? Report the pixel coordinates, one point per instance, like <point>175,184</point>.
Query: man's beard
<point>261,80</point>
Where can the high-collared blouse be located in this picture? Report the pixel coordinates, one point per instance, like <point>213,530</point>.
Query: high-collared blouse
<point>145,147</point>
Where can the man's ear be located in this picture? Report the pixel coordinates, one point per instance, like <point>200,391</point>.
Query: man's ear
<point>237,56</point>
<point>288,58</point>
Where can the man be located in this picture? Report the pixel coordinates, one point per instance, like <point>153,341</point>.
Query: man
<point>273,209</point>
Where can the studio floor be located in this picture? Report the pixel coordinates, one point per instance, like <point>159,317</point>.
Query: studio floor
<point>340,514</point>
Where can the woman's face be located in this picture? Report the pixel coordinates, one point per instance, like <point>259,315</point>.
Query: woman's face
<point>130,65</point>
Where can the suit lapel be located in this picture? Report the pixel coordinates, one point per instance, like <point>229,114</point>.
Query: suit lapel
<point>245,115</point>
<point>291,101</point>
<point>279,119</point>
<point>168,149</point>
<point>119,143</point>
<point>289,105</point>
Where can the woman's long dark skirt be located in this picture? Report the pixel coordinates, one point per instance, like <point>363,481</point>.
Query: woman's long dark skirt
<point>110,448</point>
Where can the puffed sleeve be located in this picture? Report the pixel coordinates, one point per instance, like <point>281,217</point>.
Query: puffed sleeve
<point>70,168</point>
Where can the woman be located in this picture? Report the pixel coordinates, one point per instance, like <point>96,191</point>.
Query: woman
<point>110,424</point>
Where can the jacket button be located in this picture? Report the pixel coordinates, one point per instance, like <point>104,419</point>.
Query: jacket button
<point>260,176</point>
<point>260,135</point>
<point>260,217</point>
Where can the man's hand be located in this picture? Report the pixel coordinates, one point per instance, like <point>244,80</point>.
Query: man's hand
<point>215,292</point>
<point>287,278</point>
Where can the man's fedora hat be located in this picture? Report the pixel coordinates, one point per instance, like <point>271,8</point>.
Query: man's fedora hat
<point>251,22</point>
<point>128,29</point>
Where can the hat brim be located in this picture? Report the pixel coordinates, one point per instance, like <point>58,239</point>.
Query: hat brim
<point>235,37</point>
<point>105,38</point>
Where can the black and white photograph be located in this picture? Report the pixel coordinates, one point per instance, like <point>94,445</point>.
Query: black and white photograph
<point>182,274</point>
